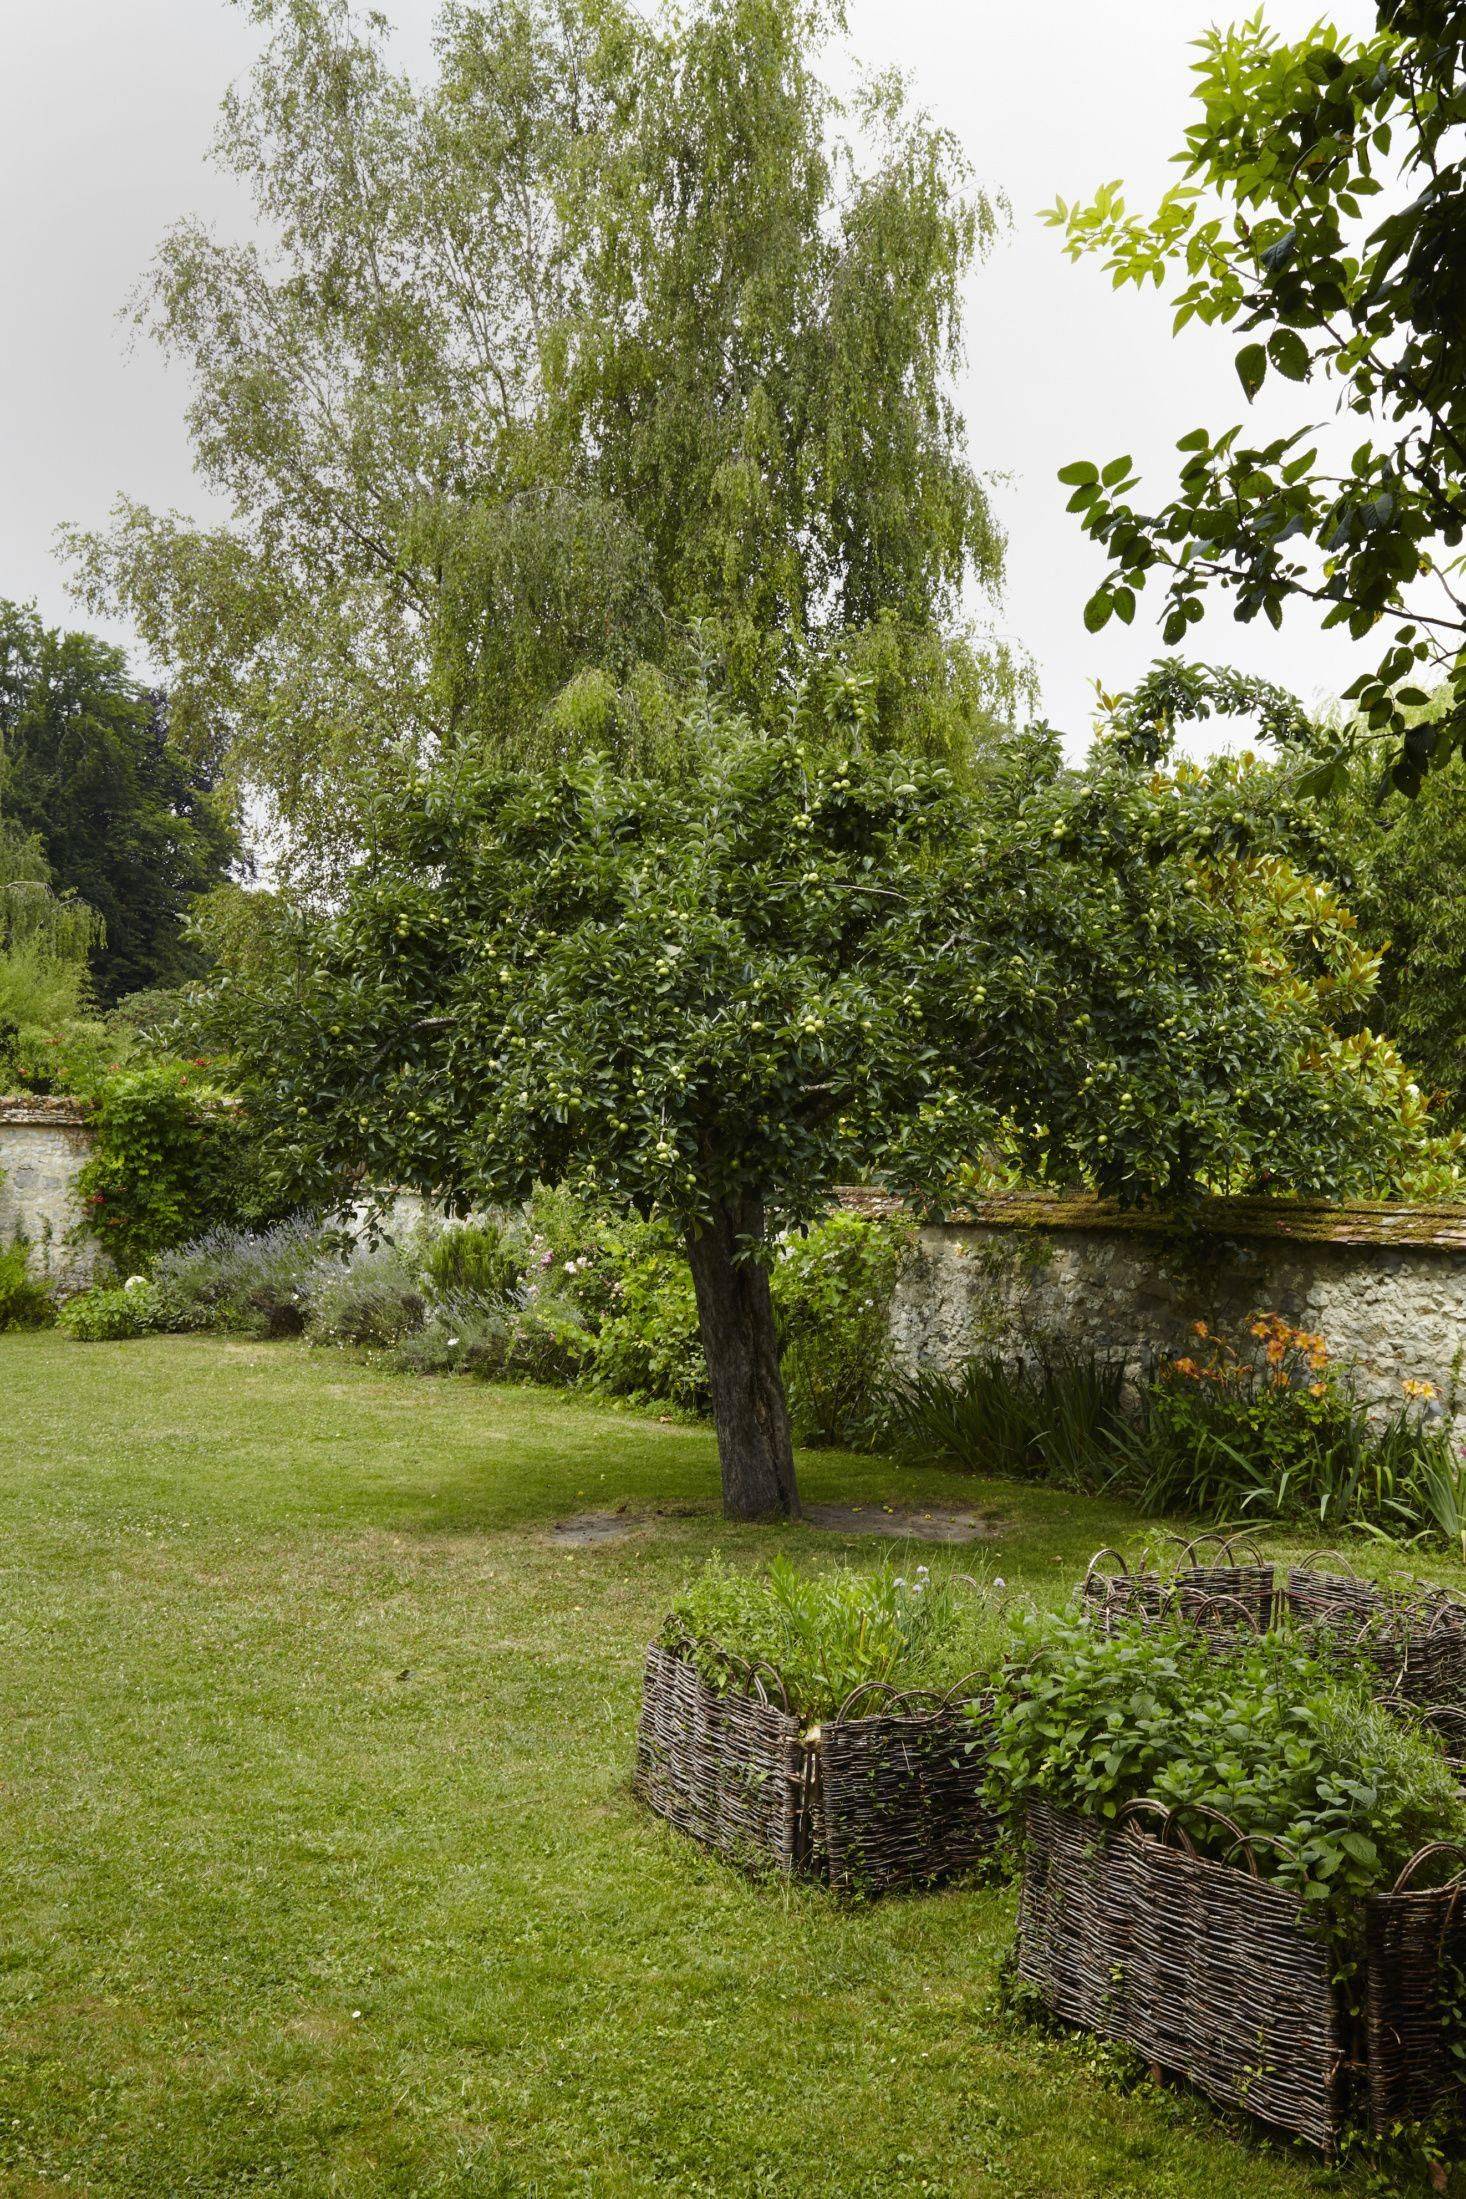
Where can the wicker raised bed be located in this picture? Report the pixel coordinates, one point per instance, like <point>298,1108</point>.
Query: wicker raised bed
<point>1225,1585</point>
<point>1414,1637</point>
<point>886,1795</point>
<point>1221,1978</point>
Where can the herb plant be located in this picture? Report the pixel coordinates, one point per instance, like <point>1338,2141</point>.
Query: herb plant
<point>25,1303</point>
<point>827,1634</point>
<point>1334,1793</point>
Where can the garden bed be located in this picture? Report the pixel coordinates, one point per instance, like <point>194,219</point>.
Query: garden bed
<point>1413,1636</point>
<point>1218,1977</point>
<point>884,1796</point>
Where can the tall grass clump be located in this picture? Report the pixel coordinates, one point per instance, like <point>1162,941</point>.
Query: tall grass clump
<point>25,1302</point>
<point>1054,1415</point>
<point>827,1634</point>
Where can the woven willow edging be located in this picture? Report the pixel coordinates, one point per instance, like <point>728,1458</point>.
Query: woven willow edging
<point>1222,1979</point>
<point>887,1798</point>
<point>1414,1639</point>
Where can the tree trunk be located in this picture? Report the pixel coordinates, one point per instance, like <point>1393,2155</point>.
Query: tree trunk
<point>735,1315</point>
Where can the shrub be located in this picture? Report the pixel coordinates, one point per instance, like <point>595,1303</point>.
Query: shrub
<point>547,1342</point>
<point>457,1337</point>
<point>246,1282</point>
<point>1335,1793</point>
<point>482,1260</point>
<point>630,1285</point>
<point>1438,1495</point>
<point>505,1343</point>
<point>826,1634</point>
<point>832,1287</point>
<point>25,1302</point>
<point>375,1298</point>
<point>624,1285</point>
<point>110,1316</point>
<point>165,1164</point>
<point>574,1292</point>
<point>648,1344</point>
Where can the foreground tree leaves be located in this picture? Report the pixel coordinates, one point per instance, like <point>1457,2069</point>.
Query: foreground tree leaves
<point>1322,214</point>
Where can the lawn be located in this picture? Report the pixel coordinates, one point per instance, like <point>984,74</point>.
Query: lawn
<point>321,1869</point>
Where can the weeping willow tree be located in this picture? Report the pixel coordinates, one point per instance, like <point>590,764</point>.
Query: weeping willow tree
<point>614,362</point>
<point>46,940</point>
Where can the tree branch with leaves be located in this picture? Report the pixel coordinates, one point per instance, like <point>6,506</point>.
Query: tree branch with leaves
<point>1322,214</point>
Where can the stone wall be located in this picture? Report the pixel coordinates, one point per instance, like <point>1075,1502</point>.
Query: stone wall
<point>1386,1286</point>
<point>43,1144</point>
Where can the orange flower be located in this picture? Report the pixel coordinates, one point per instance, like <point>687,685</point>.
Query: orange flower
<point>1199,1328</point>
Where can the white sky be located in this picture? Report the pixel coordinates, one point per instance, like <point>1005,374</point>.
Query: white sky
<point>107,107</point>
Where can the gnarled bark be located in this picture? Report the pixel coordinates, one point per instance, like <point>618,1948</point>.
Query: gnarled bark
<point>735,1314</point>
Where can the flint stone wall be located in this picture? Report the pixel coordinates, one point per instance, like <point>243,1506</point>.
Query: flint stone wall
<point>1385,1285</point>
<point>43,1146</point>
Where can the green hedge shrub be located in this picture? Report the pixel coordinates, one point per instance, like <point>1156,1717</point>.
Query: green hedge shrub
<point>832,1287</point>
<point>25,1302</point>
<point>111,1316</point>
<point>166,1164</point>
<point>483,1260</point>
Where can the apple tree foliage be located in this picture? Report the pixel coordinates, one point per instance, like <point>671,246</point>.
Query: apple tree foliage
<point>813,962</point>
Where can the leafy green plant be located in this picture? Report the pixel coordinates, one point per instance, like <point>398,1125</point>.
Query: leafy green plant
<point>1318,214</point>
<point>1334,1792</point>
<point>832,1285</point>
<point>25,1302</point>
<point>647,1343</point>
<point>548,1342</point>
<point>482,1259</point>
<point>166,1162</point>
<point>826,1634</point>
<point>111,1316</point>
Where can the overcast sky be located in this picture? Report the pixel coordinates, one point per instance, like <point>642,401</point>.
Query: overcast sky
<point>107,107</point>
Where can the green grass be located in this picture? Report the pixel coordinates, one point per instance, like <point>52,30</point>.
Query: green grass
<point>321,1873</point>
